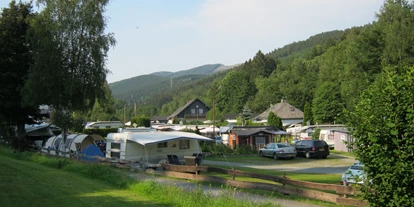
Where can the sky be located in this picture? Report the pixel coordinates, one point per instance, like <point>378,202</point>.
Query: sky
<point>165,35</point>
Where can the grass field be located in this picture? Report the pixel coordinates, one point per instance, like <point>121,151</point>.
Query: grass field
<point>28,179</point>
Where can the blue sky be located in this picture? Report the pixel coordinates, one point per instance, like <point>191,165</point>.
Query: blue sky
<point>165,35</point>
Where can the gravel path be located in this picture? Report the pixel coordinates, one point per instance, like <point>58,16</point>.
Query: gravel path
<point>215,191</point>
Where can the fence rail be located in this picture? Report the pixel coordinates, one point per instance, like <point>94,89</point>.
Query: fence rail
<point>339,194</point>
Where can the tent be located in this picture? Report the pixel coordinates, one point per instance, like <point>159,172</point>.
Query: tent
<point>152,147</point>
<point>74,142</point>
<point>91,151</point>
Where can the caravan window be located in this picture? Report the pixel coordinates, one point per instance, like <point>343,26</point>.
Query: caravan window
<point>184,144</point>
<point>162,145</point>
<point>115,145</point>
<point>116,155</point>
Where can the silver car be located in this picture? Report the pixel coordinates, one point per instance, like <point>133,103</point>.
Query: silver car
<point>278,150</point>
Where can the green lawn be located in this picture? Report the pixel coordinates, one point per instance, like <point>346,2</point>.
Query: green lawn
<point>25,183</point>
<point>29,179</point>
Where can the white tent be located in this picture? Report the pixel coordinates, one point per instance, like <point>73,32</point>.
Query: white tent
<point>152,147</point>
<point>74,142</point>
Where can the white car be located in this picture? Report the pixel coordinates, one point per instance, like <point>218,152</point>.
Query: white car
<point>278,150</point>
<point>354,175</point>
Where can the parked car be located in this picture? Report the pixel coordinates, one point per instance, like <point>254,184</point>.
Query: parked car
<point>278,150</point>
<point>312,148</point>
<point>354,175</point>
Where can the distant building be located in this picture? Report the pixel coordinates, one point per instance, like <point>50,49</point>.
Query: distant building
<point>288,113</point>
<point>191,111</point>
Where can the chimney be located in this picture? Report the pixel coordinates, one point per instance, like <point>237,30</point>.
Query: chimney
<point>283,100</point>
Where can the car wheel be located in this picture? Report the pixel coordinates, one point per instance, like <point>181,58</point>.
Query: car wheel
<point>275,156</point>
<point>324,157</point>
<point>308,155</point>
<point>261,154</point>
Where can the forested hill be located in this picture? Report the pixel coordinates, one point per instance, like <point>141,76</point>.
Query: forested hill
<point>201,70</point>
<point>323,76</point>
<point>145,86</point>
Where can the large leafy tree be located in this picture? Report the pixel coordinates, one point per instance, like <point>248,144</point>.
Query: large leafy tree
<point>236,89</point>
<point>69,54</point>
<point>15,61</point>
<point>383,129</point>
<point>327,104</point>
<point>307,117</point>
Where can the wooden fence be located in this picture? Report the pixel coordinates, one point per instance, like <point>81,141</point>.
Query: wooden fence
<point>338,193</point>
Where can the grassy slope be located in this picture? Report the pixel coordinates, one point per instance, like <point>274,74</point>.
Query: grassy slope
<point>29,184</point>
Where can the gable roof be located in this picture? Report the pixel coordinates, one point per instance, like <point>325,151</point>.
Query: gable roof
<point>284,110</point>
<point>178,111</point>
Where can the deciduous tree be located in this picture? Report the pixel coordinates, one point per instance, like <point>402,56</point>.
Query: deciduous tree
<point>69,54</point>
<point>382,126</point>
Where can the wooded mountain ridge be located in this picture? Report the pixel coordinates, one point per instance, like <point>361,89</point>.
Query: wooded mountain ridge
<point>324,75</point>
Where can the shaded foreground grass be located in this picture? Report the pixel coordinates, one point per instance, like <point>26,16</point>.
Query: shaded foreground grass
<point>28,179</point>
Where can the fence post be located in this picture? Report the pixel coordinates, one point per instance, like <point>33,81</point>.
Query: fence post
<point>233,175</point>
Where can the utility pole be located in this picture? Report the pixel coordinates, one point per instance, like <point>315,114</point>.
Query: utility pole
<point>135,104</point>
<point>214,121</point>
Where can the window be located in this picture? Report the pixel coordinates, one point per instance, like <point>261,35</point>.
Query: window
<point>184,144</point>
<point>331,136</point>
<point>193,111</point>
<point>108,127</point>
<point>200,111</point>
<point>260,140</point>
<point>116,154</point>
<point>162,145</point>
<point>115,145</point>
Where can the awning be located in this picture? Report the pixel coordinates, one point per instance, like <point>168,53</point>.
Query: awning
<point>148,138</point>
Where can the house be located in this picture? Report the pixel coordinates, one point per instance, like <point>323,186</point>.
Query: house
<point>256,136</point>
<point>288,113</point>
<point>192,111</point>
<point>151,148</point>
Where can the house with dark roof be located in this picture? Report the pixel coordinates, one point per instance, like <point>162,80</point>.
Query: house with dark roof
<point>255,136</point>
<point>191,111</point>
<point>288,113</point>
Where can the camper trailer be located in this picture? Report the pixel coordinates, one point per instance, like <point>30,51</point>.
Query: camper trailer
<point>151,147</point>
<point>327,136</point>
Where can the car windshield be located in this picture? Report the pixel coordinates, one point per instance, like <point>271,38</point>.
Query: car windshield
<point>356,167</point>
<point>282,145</point>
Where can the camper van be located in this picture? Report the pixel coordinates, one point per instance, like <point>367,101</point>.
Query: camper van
<point>327,136</point>
<point>152,148</point>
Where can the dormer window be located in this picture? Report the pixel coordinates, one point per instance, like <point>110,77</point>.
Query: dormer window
<point>292,108</point>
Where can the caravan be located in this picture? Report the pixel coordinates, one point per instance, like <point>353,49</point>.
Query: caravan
<point>151,148</point>
<point>327,136</point>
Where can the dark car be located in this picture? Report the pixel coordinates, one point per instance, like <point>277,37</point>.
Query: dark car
<point>312,148</point>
